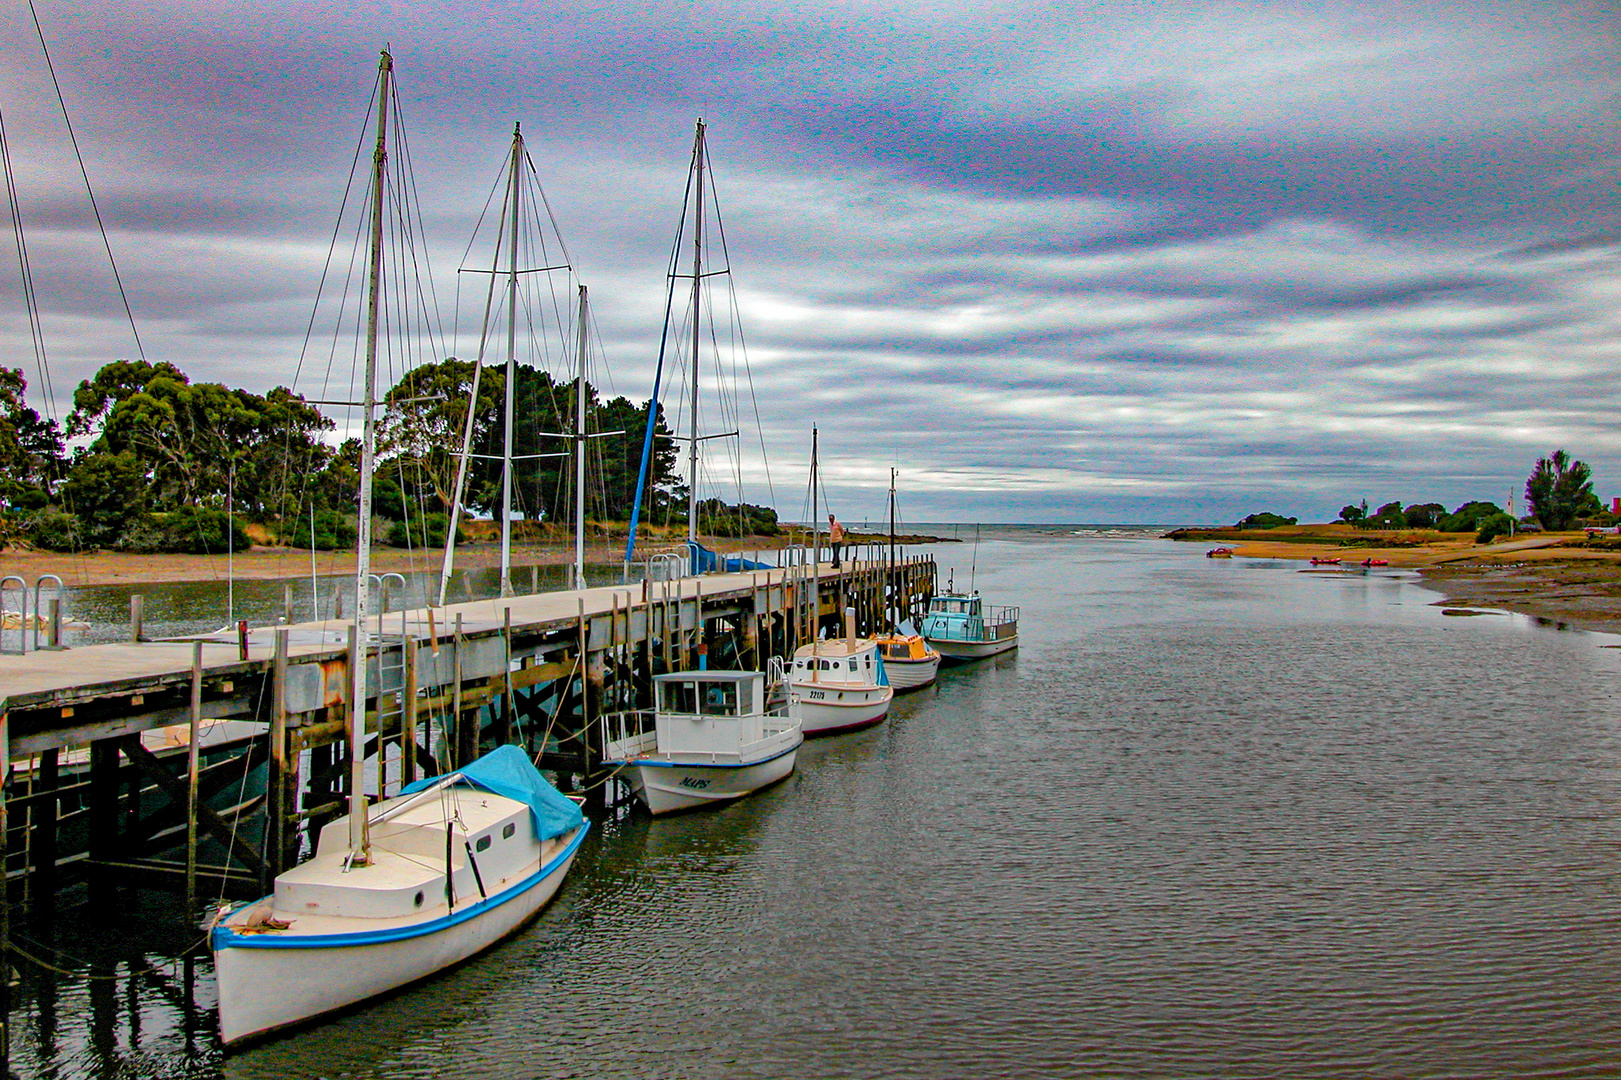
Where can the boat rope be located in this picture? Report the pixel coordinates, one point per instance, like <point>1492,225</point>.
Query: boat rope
<point>89,191</point>
<point>144,967</point>
<point>557,710</point>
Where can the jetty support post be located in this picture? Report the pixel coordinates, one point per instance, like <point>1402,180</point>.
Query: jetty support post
<point>277,790</point>
<point>136,604</point>
<point>192,758</point>
<point>5,899</point>
<point>456,739</point>
<point>42,838</point>
<point>503,719</point>
<point>408,717</point>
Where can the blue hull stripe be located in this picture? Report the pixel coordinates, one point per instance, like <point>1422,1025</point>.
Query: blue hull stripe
<point>703,764</point>
<point>224,937</point>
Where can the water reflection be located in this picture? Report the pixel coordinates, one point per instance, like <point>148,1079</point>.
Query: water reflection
<point>171,609</point>
<point>1211,819</point>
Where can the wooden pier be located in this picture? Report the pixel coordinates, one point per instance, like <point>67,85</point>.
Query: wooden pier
<point>90,797</point>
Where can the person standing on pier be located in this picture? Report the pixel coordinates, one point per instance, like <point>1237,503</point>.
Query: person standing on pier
<point>835,536</point>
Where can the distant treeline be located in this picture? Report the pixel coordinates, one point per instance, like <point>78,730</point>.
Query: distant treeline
<point>165,458</point>
<point>1558,496</point>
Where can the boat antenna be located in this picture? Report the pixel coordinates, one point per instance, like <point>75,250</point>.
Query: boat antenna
<point>973,564</point>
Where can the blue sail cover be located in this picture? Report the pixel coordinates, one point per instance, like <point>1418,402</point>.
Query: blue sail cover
<point>704,560</point>
<point>506,771</point>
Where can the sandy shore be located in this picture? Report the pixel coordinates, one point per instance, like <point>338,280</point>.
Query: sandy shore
<point>118,568</point>
<point>1543,575</point>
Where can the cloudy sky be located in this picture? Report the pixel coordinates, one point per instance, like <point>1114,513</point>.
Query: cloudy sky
<point>1139,262</point>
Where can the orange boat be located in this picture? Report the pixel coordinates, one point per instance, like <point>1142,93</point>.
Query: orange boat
<point>1316,561</point>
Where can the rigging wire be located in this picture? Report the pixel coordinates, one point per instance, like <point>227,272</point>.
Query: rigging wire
<point>25,269</point>
<point>84,173</point>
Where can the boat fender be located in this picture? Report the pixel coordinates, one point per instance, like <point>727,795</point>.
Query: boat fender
<point>478,878</point>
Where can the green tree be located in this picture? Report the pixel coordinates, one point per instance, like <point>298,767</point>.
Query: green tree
<point>424,420</point>
<point>1498,524</point>
<point>1354,513</point>
<point>1424,515</point>
<point>31,450</point>
<point>200,444</point>
<point>1467,518</point>
<point>1559,490</point>
<point>106,491</point>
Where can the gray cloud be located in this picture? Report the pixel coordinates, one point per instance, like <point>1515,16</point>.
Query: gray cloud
<point>1143,264</point>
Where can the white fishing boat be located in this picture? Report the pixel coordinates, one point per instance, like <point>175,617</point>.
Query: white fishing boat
<point>909,661</point>
<point>711,739</point>
<point>454,865</point>
<point>963,628</point>
<point>838,685</point>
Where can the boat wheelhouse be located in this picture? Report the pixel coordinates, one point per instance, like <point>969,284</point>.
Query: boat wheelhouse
<point>838,685</point>
<point>962,627</point>
<point>910,662</point>
<point>711,738</point>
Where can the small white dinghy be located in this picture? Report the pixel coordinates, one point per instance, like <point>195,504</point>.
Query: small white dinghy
<point>455,864</point>
<point>838,685</point>
<point>710,739</point>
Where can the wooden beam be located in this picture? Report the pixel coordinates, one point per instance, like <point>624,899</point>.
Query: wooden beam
<point>149,764</point>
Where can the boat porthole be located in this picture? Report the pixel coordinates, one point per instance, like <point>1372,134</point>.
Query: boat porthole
<point>418,900</point>
<point>483,844</point>
<point>508,830</point>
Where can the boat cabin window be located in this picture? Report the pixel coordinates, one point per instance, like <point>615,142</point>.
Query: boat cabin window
<point>720,699</point>
<point>483,844</point>
<point>678,697</point>
<point>507,830</point>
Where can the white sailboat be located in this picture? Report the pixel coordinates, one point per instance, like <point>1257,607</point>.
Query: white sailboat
<point>711,739</point>
<point>399,891</point>
<point>839,684</point>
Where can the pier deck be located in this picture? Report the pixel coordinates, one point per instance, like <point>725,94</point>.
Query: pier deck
<point>443,683</point>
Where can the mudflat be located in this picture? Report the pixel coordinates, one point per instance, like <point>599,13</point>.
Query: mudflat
<point>1551,576</point>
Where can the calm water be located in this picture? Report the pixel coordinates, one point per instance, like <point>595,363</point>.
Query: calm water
<point>1214,819</point>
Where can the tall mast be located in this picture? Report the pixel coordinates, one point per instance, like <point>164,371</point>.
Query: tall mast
<point>579,451</point>
<point>359,838</point>
<point>889,585</point>
<point>512,364</point>
<point>816,550</point>
<point>697,293</point>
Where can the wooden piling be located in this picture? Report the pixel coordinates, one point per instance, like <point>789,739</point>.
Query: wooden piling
<point>192,759</point>
<point>408,718</point>
<point>45,815</point>
<point>5,899</point>
<point>276,790</point>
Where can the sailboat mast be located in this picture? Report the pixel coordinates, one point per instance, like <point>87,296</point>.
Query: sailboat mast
<point>359,840</point>
<point>816,550</point>
<point>512,363</point>
<point>890,575</point>
<point>579,450</point>
<point>697,294</point>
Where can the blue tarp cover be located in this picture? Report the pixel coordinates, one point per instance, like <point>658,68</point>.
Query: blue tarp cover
<point>704,561</point>
<point>506,771</point>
